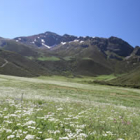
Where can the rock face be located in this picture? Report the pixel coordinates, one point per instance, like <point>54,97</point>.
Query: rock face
<point>112,46</point>
<point>119,46</point>
<point>2,42</point>
<point>47,39</point>
<point>136,51</point>
<point>134,56</point>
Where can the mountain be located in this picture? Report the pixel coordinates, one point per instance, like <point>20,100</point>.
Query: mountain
<point>100,50</point>
<point>112,47</point>
<point>50,53</point>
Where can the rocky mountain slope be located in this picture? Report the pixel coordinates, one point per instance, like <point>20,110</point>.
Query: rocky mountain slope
<point>112,47</point>
<point>53,40</point>
<point>47,39</point>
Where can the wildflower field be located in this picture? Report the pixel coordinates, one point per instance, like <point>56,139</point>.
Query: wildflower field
<point>56,108</point>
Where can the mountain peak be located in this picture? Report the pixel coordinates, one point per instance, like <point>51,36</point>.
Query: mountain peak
<point>50,33</point>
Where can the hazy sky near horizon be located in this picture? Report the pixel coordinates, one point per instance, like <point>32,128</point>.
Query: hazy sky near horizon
<point>102,18</point>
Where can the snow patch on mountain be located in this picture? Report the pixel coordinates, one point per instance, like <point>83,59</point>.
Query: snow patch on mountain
<point>63,43</point>
<point>46,46</point>
<point>81,41</point>
<point>76,40</point>
<point>42,40</point>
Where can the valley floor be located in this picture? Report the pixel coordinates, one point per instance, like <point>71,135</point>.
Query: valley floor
<point>59,108</point>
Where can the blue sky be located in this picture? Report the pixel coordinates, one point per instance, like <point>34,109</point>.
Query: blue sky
<point>102,18</point>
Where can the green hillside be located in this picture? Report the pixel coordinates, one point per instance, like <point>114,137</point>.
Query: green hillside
<point>131,79</point>
<point>19,48</point>
<point>75,67</point>
<point>14,64</point>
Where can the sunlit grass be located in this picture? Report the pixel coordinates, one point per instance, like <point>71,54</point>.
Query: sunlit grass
<point>51,58</point>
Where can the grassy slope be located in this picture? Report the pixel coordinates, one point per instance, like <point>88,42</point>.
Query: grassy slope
<point>19,65</point>
<point>131,79</point>
<point>56,107</point>
<point>77,50</point>
<point>19,48</point>
<point>75,67</point>
<point>52,58</point>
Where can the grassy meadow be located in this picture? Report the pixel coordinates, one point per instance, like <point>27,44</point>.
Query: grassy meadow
<point>59,108</point>
<point>52,58</point>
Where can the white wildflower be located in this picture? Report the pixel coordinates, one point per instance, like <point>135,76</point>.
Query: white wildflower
<point>30,137</point>
<point>53,120</point>
<point>11,136</point>
<point>29,123</point>
<point>83,135</point>
<point>72,135</point>
<point>18,124</point>
<point>8,130</point>
<point>8,122</point>
<point>18,136</point>
<point>53,132</point>
<point>6,117</point>
<point>20,131</point>
<point>75,117</point>
<point>13,115</point>
<point>67,130</point>
<point>81,126</point>
<point>31,127</point>
<point>59,108</point>
<point>78,130</point>
<point>109,132</point>
<point>104,135</point>
<point>63,138</point>
<point>67,118</point>
<point>25,132</point>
